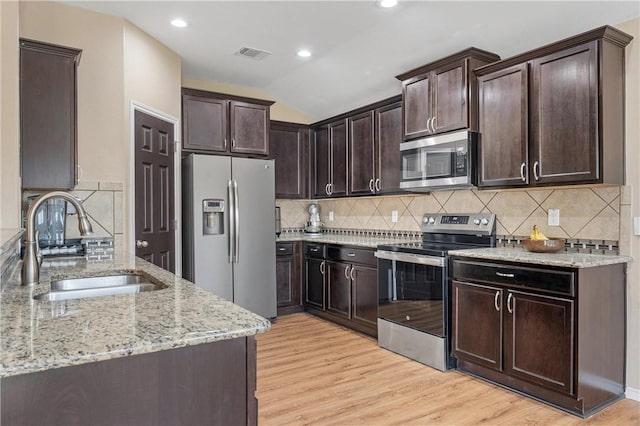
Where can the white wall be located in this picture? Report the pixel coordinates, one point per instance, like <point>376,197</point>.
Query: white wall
<point>631,202</point>
<point>9,117</point>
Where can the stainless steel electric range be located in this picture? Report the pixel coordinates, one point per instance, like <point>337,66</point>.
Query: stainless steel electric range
<point>413,286</point>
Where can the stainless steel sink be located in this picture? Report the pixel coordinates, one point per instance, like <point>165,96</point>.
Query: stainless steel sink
<point>130,282</point>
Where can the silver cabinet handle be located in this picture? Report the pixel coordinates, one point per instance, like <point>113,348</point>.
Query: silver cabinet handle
<point>536,170</point>
<point>282,249</point>
<point>346,272</point>
<point>352,273</point>
<point>351,254</point>
<point>433,124</point>
<point>378,185</point>
<point>501,274</point>
<point>495,301</point>
<point>371,188</point>
<point>522,169</point>
<point>322,267</point>
<point>326,189</point>
<point>330,189</point>
<point>429,124</point>
<point>225,143</point>
<point>510,299</point>
<point>142,244</point>
<point>315,249</point>
<point>233,143</point>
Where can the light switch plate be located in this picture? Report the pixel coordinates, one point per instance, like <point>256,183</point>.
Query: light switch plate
<point>554,217</point>
<point>394,216</point>
<point>331,216</point>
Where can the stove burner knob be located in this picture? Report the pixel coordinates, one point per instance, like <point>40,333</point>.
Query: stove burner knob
<point>476,221</point>
<point>484,221</point>
<point>431,221</point>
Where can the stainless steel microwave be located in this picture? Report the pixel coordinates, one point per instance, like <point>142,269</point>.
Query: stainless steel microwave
<point>439,162</point>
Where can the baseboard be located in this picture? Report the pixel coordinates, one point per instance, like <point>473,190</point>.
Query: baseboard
<point>632,393</point>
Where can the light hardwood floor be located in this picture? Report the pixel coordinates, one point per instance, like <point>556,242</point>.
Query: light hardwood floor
<point>314,372</point>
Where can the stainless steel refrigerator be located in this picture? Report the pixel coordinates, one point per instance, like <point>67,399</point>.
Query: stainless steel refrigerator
<point>229,229</point>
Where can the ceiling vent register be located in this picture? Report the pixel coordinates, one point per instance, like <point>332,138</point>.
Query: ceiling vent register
<point>251,53</point>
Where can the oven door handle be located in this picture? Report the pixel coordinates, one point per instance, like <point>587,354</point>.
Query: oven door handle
<point>411,258</point>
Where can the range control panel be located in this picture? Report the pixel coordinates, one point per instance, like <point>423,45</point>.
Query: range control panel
<point>465,223</point>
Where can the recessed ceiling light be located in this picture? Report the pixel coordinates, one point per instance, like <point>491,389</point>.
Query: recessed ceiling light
<point>388,3</point>
<point>304,53</point>
<point>180,23</point>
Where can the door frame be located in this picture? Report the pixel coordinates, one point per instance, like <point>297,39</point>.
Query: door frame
<point>177,179</point>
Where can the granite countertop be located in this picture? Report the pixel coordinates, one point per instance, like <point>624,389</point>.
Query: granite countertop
<point>41,335</point>
<point>564,259</point>
<point>344,239</point>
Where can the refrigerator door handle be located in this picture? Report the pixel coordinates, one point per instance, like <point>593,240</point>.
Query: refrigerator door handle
<point>236,202</point>
<point>232,221</point>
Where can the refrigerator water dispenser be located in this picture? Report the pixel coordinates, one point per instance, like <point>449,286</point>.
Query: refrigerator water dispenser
<point>212,217</point>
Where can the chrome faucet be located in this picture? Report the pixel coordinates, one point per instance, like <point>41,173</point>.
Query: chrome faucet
<point>30,262</point>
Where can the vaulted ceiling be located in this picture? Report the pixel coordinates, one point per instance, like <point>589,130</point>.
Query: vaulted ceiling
<point>357,47</point>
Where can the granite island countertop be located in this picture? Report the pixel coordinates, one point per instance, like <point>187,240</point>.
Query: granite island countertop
<point>41,335</point>
<point>563,259</point>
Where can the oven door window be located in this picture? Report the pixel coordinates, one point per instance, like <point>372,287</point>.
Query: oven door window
<point>412,295</point>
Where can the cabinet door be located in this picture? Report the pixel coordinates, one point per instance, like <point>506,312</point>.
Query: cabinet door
<point>361,154</point>
<point>539,340</point>
<point>388,121</point>
<point>322,157</point>
<point>449,96</point>
<point>503,116</point>
<point>288,147</point>
<point>249,128</point>
<point>338,162</point>
<point>205,123</point>
<point>365,295</point>
<point>477,324</point>
<point>284,281</point>
<point>47,116</point>
<point>314,294</point>
<point>339,288</point>
<point>565,116</point>
<point>416,98</point>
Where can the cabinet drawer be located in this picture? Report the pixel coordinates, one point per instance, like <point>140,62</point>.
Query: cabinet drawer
<point>554,281</point>
<point>314,250</point>
<point>350,254</point>
<point>284,249</point>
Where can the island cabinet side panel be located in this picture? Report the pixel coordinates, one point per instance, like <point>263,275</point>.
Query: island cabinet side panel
<point>195,385</point>
<point>601,335</point>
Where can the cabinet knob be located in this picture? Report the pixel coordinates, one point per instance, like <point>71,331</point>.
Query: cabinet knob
<point>142,244</point>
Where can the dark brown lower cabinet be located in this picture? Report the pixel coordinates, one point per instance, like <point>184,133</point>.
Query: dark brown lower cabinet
<point>288,277</point>
<point>350,279</point>
<point>208,384</point>
<point>556,334</point>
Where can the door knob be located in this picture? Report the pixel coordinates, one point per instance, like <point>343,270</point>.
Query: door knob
<point>142,244</point>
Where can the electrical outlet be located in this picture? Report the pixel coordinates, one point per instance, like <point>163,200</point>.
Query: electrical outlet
<point>331,216</point>
<point>554,217</point>
<point>394,216</point>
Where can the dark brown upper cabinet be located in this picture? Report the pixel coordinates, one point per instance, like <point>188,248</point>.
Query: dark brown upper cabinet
<point>289,147</point>
<point>555,115</point>
<point>48,123</point>
<point>362,153</point>
<point>218,123</point>
<point>362,160</point>
<point>441,96</point>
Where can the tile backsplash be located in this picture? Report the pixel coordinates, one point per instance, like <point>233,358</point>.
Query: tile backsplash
<point>585,212</point>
